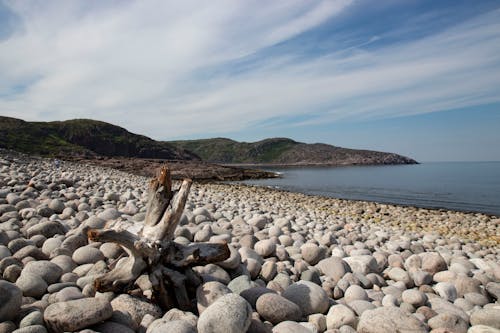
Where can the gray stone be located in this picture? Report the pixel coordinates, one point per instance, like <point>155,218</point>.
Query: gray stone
<point>312,253</point>
<point>482,329</point>
<point>360,306</point>
<point>170,326</point>
<point>212,272</point>
<point>208,293</point>
<point>389,320</point>
<point>414,297</point>
<point>31,329</point>
<point>10,300</point>
<point>176,314</point>
<point>363,264</point>
<point>229,314</point>
<point>432,262</point>
<point>87,255</point>
<point>290,326</point>
<point>241,283</point>
<point>443,306</point>
<point>136,307</point>
<point>47,270</point>
<point>109,214</point>
<point>449,321</point>
<point>77,314</point>
<point>275,308</point>
<point>340,315</point>
<point>486,316</point>
<point>33,318</point>
<point>253,294</point>
<point>310,297</point>
<point>32,285</point>
<point>333,267</point>
<point>354,293</point>
<point>111,327</point>
<point>48,229</point>
<point>446,290</point>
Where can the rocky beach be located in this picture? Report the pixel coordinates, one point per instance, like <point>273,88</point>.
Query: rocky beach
<point>297,263</point>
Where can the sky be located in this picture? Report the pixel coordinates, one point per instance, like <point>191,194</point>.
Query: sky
<point>417,77</point>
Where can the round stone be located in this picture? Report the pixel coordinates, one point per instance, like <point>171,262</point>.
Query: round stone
<point>76,314</point>
<point>275,308</point>
<point>310,297</point>
<point>340,315</point>
<point>10,300</point>
<point>32,285</point>
<point>208,293</point>
<point>47,270</point>
<point>87,255</point>
<point>389,320</point>
<point>230,314</point>
<point>354,293</point>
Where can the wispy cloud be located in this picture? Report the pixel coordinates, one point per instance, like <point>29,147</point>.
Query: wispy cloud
<point>171,69</point>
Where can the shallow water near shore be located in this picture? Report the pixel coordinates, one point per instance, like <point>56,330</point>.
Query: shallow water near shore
<point>463,186</point>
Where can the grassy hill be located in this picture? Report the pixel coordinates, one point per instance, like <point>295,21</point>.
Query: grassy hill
<point>83,137</point>
<point>285,151</point>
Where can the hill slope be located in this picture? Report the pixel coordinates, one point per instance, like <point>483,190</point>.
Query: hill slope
<point>285,152</point>
<point>83,137</point>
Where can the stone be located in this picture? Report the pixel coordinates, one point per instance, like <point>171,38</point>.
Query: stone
<point>253,294</point>
<point>493,288</point>
<point>486,316</point>
<point>340,315</point>
<point>76,314</point>
<point>240,283</point>
<point>354,293</point>
<point>176,314</point>
<point>389,320</point>
<point>446,290</point>
<point>47,270</point>
<point>47,229</point>
<point>109,214</point>
<point>449,321</point>
<point>399,274</point>
<point>363,264</point>
<point>312,253</point>
<point>265,247</point>
<point>360,306</point>
<point>414,297</point>
<point>290,326</point>
<point>31,329</point>
<point>33,318</point>
<point>32,285</point>
<point>443,306</point>
<point>208,293</point>
<point>333,267</point>
<point>87,255</point>
<point>170,326</point>
<point>10,300</point>
<point>111,327</point>
<point>482,329</point>
<point>136,307</point>
<point>319,321</point>
<point>229,314</point>
<point>432,262</point>
<point>275,308</point>
<point>310,297</point>
<point>211,272</point>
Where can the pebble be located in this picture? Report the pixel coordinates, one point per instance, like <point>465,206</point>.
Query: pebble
<point>229,314</point>
<point>486,316</point>
<point>389,320</point>
<point>76,314</point>
<point>340,315</point>
<point>208,293</point>
<point>310,297</point>
<point>275,308</point>
<point>10,300</point>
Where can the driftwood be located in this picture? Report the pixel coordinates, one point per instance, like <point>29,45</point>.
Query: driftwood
<point>152,251</point>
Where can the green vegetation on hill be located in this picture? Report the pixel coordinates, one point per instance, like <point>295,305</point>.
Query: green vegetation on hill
<point>82,137</point>
<point>284,151</point>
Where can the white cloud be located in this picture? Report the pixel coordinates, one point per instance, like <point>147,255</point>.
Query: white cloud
<point>138,64</point>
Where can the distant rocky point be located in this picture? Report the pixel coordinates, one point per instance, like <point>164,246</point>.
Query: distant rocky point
<point>283,151</point>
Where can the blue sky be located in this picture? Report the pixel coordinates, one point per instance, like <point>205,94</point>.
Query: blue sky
<point>420,78</point>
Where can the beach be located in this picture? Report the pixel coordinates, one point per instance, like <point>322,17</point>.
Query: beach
<point>298,263</point>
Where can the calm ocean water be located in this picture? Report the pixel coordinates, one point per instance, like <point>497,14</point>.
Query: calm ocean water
<point>464,186</point>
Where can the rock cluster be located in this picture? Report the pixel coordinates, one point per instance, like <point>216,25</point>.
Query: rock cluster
<point>298,263</point>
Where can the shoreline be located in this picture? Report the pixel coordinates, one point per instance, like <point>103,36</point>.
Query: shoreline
<point>324,202</point>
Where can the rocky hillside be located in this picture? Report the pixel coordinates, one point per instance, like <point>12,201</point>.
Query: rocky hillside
<point>285,152</point>
<point>83,137</point>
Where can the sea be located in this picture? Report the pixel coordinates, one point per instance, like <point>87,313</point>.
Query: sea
<point>461,186</point>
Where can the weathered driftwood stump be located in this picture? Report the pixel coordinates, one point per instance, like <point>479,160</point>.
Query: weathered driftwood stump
<point>152,253</point>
